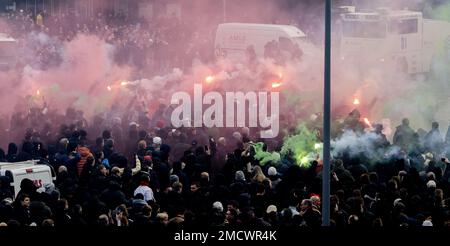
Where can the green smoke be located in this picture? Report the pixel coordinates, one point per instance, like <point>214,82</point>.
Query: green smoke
<point>302,146</point>
<point>441,12</point>
<point>265,157</point>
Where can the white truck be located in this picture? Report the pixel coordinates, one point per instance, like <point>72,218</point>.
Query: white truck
<point>8,52</point>
<point>234,39</point>
<point>398,39</point>
<point>17,171</point>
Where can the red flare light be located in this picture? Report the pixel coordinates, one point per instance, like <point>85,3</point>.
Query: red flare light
<point>356,101</point>
<point>367,122</point>
<point>109,88</point>
<point>276,84</point>
<point>209,79</point>
<point>38,92</point>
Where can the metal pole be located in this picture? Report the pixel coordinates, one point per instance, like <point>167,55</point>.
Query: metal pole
<point>35,8</point>
<point>326,119</point>
<point>224,5</point>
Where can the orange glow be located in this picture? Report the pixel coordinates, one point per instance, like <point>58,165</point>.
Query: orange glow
<point>109,88</point>
<point>123,83</point>
<point>38,92</point>
<point>209,79</point>
<point>356,101</point>
<point>367,122</point>
<point>276,84</point>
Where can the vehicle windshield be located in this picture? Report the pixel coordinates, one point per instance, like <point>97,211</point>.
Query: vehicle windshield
<point>407,26</point>
<point>364,29</point>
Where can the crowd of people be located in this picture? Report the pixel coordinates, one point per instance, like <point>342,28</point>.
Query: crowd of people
<point>153,47</point>
<point>133,169</point>
<point>113,172</point>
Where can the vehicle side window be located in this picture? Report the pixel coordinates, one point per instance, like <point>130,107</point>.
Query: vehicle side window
<point>404,26</point>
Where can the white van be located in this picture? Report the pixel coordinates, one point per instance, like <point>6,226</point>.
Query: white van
<point>233,39</point>
<point>40,174</point>
<point>8,52</point>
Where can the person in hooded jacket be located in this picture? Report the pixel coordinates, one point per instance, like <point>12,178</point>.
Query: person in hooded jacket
<point>11,156</point>
<point>113,196</point>
<point>27,187</point>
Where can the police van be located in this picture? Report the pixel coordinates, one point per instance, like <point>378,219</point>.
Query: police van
<point>40,174</point>
<point>234,39</point>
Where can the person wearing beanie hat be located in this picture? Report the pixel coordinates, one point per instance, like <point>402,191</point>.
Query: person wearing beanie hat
<point>157,141</point>
<point>431,184</point>
<point>427,223</point>
<point>273,176</point>
<point>239,176</point>
<point>272,171</point>
<point>218,206</point>
<point>271,208</point>
<point>133,124</point>
<point>396,201</point>
<point>237,136</point>
<point>159,124</point>
<point>173,178</point>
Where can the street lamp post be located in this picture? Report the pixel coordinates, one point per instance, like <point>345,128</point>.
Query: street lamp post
<point>326,119</point>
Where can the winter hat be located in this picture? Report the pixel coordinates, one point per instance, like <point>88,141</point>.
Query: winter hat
<point>272,171</point>
<point>431,183</point>
<point>396,201</point>
<point>157,140</point>
<point>160,124</point>
<point>7,201</point>
<point>134,124</point>
<point>239,176</point>
<point>237,136</point>
<point>218,206</point>
<point>427,223</point>
<point>271,208</point>
<point>174,178</point>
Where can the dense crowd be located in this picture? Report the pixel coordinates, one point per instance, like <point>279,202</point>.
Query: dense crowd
<point>114,171</point>
<point>156,46</point>
<point>133,169</point>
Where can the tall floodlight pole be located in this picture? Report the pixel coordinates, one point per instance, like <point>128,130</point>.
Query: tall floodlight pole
<point>326,119</point>
<point>224,9</point>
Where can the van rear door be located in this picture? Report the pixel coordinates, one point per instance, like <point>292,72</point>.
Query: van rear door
<point>39,174</point>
